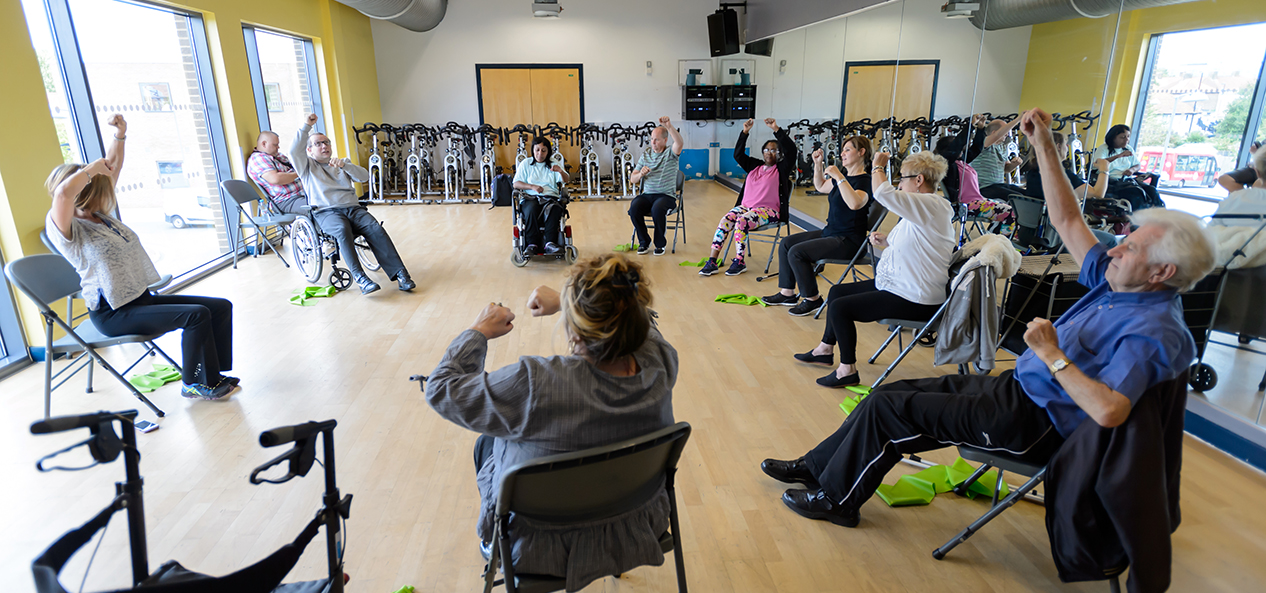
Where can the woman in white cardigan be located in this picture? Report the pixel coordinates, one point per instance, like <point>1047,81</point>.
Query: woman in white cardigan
<point>912,273</point>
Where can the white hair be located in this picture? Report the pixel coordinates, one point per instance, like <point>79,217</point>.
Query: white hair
<point>1185,244</point>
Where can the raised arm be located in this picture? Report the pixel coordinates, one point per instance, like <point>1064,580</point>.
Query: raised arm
<point>678,142</point>
<point>299,146</point>
<point>63,210</point>
<point>1061,203</point>
<point>1100,188</point>
<point>356,172</point>
<point>741,157</point>
<point>114,154</point>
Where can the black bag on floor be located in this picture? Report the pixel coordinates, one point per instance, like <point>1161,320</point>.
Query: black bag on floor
<point>502,190</point>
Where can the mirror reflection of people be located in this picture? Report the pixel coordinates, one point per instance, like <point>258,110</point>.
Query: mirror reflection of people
<point>1033,173</point>
<point>1245,176</point>
<point>657,172</point>
<point>1124,337</point>
<point>272,171</point>
<point>913,266</point>
<point>115,273</point>
<point>848,207</point>
<point>616,384</point>
<point>767,186</point>
<point>541,182</point>
<point>1122,165</point>
<point>994,163</point>
<point>327,181</point>
<point>1248,200</point>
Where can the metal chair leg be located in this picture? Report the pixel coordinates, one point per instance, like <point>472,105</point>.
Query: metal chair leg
<point>994,511</point>
<point>892,334</point>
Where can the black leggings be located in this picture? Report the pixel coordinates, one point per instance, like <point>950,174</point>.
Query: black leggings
<point>848,303</point>
<point>206,344</point>
<point>798,253</point>
<point>533,211</point>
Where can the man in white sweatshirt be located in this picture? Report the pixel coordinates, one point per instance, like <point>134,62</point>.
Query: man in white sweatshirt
<point>328,182</point>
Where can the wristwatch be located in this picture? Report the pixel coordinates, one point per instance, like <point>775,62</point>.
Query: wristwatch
<point>1059,365</point>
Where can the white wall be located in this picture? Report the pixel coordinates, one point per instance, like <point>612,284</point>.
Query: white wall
<point>430,77</point>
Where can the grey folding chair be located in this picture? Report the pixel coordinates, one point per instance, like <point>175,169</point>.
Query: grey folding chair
<point>676,216</point>
<point>585,486</point>
<point>761,234</point>
<point>243,194</point>
<point>47,277</point>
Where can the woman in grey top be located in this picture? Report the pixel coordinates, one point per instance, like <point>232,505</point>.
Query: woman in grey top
<point>115,273</point>
<point>615,385</point>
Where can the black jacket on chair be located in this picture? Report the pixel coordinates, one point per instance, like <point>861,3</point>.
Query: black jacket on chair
<point>787,147</point>
<point>1112,493</point>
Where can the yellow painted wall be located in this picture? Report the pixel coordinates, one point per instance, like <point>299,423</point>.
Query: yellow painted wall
<point>28,140</point>
<point>1068,59</point>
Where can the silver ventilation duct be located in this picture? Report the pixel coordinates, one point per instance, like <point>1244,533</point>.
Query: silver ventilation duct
<point>1007,14</point>
<point>414,15</point>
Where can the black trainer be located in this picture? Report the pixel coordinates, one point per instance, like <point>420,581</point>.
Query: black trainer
<point>367,285</point>
<point>659,251</point>
<point>709,268</point>
<point>405,282</point>
<point>643,249</point>
<point>781,299</point>
<point>806,307</point>
<point>736,267</point>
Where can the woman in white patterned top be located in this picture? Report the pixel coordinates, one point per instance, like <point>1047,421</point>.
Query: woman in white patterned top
<point>115,273</point>
<point>617,384</point>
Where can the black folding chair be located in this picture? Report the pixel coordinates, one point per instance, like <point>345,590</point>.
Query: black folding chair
<point>587,486</point>
<point>676,216</point>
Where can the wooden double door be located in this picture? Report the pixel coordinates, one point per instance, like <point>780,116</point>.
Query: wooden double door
<point>532,95</point>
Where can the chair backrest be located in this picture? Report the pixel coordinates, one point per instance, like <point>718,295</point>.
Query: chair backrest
<point>1028,211</point>
<point>594,483</point>
<point>240,191</point>
<point>681,182</point>
<point>48,242</point>
<point>44,278</point>
<point>876,216</point>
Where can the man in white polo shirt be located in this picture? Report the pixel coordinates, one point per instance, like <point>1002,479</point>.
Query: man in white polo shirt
<point>657,170</point>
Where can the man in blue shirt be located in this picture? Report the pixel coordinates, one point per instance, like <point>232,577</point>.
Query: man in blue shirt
<point>541,183</point>
<point>1125,336</point>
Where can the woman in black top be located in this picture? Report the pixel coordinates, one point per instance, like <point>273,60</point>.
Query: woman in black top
<point>843,235</point>
<point>1083,190</point>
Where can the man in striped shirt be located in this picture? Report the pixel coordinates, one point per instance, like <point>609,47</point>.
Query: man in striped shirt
<point>992,165</point>
<point>273,173</point>
<point>657,171</point>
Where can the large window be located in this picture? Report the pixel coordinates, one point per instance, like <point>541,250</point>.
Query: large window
<point>149,64</point>
<point>1202,106</point>
<point>283,74</point>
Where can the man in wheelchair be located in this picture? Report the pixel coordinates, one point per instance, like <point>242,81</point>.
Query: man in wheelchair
<point>541,183</point>
<point>328,184</point>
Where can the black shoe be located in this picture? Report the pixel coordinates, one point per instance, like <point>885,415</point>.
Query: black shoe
<point>781,299</point>
<point>659,251</point>
<point>552,249</point>
<point>815,358</point>
<point>405,282</point>
<point>817,505</point>
<point>736,267</point>
<point>367,285</point>
<point>790,472</point>
<point>807,307</point>
<point>643,249</point>
<point>229,380</point>
<point>831,380</point>
<point>709,268</point>
<point>531,250</point>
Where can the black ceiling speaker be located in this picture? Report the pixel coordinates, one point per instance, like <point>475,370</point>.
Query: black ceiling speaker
<point>764,47</point>
<point>723,33</point>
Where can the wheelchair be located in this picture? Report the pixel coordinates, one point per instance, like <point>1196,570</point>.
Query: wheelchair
<point>310,246</point>
<point>519,257</point>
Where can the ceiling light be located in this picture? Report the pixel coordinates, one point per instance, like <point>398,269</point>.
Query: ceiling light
<point>959,10</point>
<point>546,9</point>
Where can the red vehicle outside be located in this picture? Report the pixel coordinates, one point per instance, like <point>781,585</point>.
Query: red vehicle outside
<point>1189,165</point>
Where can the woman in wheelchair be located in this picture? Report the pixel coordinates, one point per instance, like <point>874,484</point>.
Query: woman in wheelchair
<point>848,206</point>
<point>115,273</point>
<point>911,275</point>
<point>767,187</point>
<point>616,384</point>
<point>1124,170</point>
<point>541,183</point>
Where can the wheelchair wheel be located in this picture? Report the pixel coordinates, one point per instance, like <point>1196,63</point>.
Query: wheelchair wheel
<point>517,258</point>
<point>340,279</point>
<point>366,255</point>
<point>1202,377</point>
<point>571,254</point>
<point>305,248</point>
<point>928,340</point>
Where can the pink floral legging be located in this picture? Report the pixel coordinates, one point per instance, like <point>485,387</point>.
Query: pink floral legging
<point>741,220</point>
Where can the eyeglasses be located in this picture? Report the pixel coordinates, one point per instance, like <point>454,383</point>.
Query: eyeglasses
<point>907,177</point>
<point>321,143</point>
<point>769,150</point>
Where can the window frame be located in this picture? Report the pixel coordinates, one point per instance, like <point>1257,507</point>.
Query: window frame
<point>257,77</point>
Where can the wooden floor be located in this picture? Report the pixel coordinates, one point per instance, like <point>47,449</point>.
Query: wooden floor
<point>413,520</point>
